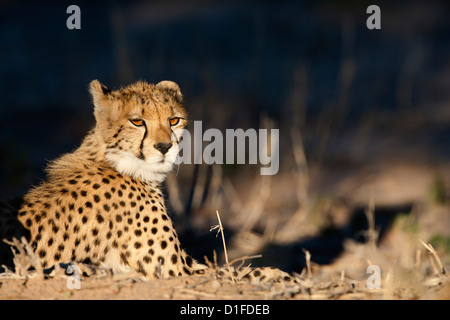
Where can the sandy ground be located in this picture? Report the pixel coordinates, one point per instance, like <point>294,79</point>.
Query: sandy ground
<point>208,287</point>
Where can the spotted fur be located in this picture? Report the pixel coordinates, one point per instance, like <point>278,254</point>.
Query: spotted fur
<point>102,204</point>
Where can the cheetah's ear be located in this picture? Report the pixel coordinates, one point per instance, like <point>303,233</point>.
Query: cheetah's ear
<point>98,90</point>
<point>104,106</point>
<point>172,88</point>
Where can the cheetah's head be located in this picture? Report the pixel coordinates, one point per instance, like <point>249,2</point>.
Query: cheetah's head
<point>140,126</point>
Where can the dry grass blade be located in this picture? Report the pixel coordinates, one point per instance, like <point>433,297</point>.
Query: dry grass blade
<point>208,263</point>
<point>308,262</point>
<point>24,257</point>
<point>224,244</point>
<point>430,248</point>
<point>372,234</point>
<point>215,258</point>
<point>245,258</point>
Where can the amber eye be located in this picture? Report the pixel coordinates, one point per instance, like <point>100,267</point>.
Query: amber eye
<point>174,121</point>
<point>137,122</point>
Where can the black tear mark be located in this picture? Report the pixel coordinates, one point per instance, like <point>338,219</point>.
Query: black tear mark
<point>141,147</point>
<point>176,138</point>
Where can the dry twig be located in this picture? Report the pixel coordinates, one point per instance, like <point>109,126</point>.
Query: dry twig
<point>308,262</point>
<point>224,244</point>
<point>24,257</point>
<point>430,248</point>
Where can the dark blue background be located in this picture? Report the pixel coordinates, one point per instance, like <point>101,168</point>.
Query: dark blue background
<point>237,56</point>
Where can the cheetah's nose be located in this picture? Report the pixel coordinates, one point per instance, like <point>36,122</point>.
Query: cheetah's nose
<point>163,147</point>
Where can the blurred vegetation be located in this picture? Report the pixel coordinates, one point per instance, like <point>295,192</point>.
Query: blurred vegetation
<point>438,191</point>
<point>441,242</point>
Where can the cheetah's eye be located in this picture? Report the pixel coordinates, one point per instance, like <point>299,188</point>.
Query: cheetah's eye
<point>137,122</point>
<point>174,121</point>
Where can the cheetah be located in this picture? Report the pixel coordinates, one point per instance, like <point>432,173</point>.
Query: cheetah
<point>102,204</point>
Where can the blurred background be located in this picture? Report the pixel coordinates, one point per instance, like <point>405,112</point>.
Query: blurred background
<point>364,115</point>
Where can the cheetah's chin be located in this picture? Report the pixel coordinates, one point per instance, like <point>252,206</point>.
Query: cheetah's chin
<point>150,170</point>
